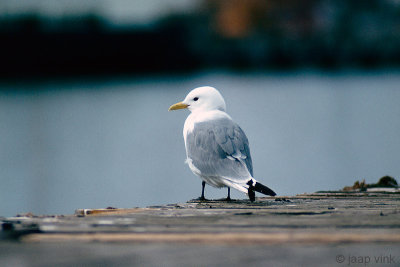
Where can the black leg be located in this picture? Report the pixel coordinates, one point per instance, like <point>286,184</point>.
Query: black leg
<point>228,198</point>
<point>203,184</point>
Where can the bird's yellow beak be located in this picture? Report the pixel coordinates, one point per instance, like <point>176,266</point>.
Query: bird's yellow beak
<point>176,106</point>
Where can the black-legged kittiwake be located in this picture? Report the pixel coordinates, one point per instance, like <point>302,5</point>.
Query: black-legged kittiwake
<point>217,149</point>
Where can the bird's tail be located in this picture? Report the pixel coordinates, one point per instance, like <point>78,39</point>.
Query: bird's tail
<point>250,187</point>
<point>256,186</point>
<point>264,189</point>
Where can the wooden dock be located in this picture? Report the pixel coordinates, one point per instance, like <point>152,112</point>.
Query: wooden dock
<point>320,229</point>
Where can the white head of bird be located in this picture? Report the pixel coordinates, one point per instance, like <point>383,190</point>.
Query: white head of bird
<point>204,98</point>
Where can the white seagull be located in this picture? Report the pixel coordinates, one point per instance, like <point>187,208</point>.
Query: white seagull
<point>217,149</point>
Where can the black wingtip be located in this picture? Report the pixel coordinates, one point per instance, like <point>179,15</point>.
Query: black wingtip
<point>259,188</point>
<point>264,190</point>
<point>250,191</point>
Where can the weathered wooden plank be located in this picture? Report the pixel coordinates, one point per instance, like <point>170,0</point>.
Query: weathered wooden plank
<point>85,212</point>
<point>319,229</point>
<point>319,217</point>
<point>222,238</point>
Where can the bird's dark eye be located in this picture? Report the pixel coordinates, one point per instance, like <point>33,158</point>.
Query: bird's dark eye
<point>196,98</point>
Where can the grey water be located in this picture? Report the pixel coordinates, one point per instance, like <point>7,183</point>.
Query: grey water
<point>66,145</point>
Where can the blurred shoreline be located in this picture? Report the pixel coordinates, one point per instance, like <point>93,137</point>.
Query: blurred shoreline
<point>239,36</point>
<point>25,83</point>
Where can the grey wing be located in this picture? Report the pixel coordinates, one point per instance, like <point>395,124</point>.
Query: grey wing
<point>220,148</point>
<point>234,142</point>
